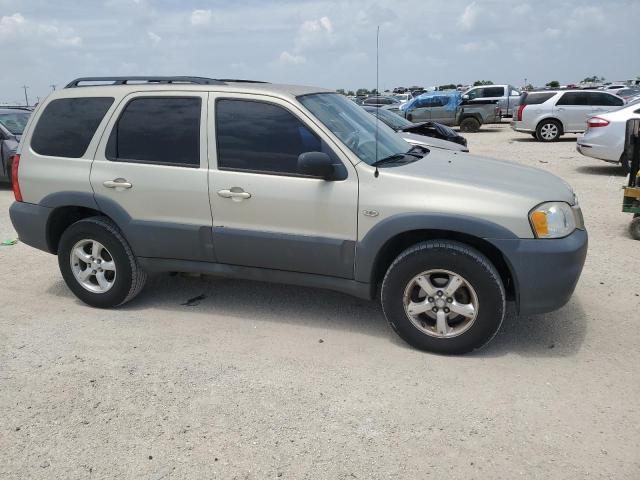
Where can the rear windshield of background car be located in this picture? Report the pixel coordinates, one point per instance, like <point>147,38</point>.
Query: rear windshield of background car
<point>67,126</point>
<point>536,98</point>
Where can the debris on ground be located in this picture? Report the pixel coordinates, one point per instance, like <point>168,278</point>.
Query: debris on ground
<point>192,302</point>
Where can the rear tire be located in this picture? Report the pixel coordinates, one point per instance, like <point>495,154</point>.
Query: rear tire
<point>470,124</point>
<point>408,300</point>
<point>98,264</point>
<point>549,131</point>
<point>634,228</point>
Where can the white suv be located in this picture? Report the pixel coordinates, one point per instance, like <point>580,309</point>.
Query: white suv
<point>289,184</point>
<point>549,114</point>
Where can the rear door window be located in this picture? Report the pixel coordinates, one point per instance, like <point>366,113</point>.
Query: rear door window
<point>67,126</point>
<point>581,99</point>
<point>605,99</point>
<point>490,92</point>
<point>162,130</point>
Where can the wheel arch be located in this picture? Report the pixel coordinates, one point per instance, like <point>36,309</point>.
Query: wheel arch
<point>378,249</point>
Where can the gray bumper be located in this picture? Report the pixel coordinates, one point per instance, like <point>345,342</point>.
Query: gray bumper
<point>30,221</point>
<point>545,271</point>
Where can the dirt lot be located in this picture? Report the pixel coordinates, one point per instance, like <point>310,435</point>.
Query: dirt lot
<point>269,381</point>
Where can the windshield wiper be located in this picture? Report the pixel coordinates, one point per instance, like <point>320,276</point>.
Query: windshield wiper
<point>390,159</point>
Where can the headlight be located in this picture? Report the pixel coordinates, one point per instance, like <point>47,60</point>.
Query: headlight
<point>555,219</point>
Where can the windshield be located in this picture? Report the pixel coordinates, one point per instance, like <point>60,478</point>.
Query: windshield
<point>14,121</point>
<point>354,127</point>
<point>394,121</point>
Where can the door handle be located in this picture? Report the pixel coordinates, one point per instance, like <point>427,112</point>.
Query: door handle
<point>117,183</point>
<point>234,193</point>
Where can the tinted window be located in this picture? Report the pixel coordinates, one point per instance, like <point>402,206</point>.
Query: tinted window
<point>261,137</point>
<point>575,98</point>
<point>605,99</point>
<point>67,125</point>
<point>158,130</point>
<point>535,98</point>
<point>493,92</point>
<point>14,121</point>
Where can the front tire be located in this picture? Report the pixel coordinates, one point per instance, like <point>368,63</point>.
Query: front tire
<point>549,131</point>
<point>444,297</point>
<point>97,263</point>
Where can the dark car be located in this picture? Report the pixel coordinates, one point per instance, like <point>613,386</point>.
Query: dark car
<point>428,129</point>
<point>12,123</point>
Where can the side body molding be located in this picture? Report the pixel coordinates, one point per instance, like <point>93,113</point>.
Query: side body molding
<point>368,249</point>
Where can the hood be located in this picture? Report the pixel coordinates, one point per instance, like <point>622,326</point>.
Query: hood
<point>488,175</point>
<point>429,142</point>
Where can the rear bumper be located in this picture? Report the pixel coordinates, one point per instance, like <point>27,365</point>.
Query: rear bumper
<point>30,221</point>
<point>598,151</point>
<point>545,272</point>
<point>516,126</point>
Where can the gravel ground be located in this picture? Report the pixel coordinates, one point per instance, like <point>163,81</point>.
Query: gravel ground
<point>270,381</point>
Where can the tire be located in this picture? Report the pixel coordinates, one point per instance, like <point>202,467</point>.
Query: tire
<point>534,135</point>
<point>126,279</point>
<point>625,165</point>
<point>427,260</point>
<point>549,131</point>
<point>634,228</point>
<point>470,124</point>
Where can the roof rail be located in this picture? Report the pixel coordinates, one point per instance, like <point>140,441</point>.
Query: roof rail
<point>150,80</point>
<point>239,80</point>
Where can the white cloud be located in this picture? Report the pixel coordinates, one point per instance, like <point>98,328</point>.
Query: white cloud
<point>314,34</point>
<point>287,58</point>
<point>470,47</point>
<point>200,17</point>
<point>522,9</point>
<point>469,17</point>
<point>154,37</point>
<point>9,24</point>
<point>17,26</point>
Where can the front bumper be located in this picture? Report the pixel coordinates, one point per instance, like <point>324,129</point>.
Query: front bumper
<point>545,271</point>
<point>30,221</point>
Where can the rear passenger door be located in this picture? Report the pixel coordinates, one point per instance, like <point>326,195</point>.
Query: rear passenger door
<point>573,109</point>
<point>265,213</point>
<point>150,174</point>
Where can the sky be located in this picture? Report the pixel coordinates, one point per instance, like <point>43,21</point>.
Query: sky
<point>324,43</point>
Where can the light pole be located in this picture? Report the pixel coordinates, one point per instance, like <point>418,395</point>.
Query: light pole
<point>26,98</point>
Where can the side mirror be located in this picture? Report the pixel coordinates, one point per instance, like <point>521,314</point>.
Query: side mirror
<point>465,97</point>
<point>316,164</point>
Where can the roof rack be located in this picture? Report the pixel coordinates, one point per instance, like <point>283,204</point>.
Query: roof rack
<point>239,80</point>
<point>149,80</point>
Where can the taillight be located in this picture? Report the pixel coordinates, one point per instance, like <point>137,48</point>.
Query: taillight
<point>597,122</point>
<point>14,178</point>
<point>520,109</point>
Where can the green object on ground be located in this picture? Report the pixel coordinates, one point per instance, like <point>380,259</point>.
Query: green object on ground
<point>7,243</point>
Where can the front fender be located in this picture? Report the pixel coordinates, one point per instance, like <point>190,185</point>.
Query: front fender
<point>368,249</point>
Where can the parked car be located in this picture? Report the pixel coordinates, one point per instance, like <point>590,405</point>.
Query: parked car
<point>448,108</point>
<point>403,97</point>
<point>288,184</point>
<point>507,96</point>
<point>380,100</point>
<point>547,115</point>
<point>604,137</point>
<point>12,123</point>
<point>628,93</point>
<point>424,129</point>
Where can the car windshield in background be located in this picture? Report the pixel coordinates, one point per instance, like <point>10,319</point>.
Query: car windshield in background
<point>354,126</point>
<point>393,120</point>
<point>14,121</point>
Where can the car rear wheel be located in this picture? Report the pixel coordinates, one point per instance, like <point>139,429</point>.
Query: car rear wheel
<point>97,263</point>
<point>469,124</point>
<point>548,131</point>
<point>444,297</point>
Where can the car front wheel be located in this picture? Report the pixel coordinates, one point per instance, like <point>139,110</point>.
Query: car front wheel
<point>97,263</point>
<point>444,297</point>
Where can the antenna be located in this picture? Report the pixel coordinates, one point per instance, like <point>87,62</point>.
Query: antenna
<point>377,93</point>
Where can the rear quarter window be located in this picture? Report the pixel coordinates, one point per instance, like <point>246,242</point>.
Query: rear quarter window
<point>536,98</point>
<point>67,126</point>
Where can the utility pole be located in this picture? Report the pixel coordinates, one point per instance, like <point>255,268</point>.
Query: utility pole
<point>53,87</point>
<point>26,98</point>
